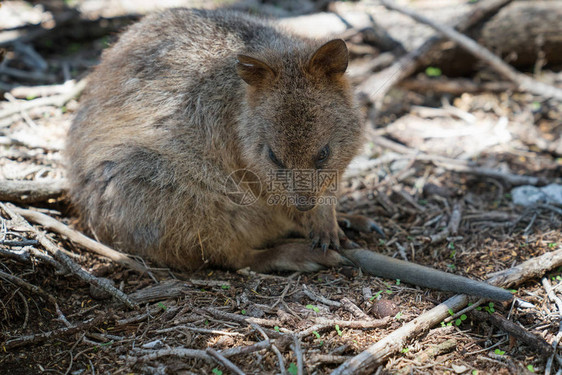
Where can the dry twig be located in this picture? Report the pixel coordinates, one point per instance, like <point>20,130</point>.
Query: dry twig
<point>64,259</point>
<point>55,100</point>
<point>224,361</point>
<point>52,224</point>
<point>533,341</point>
<point>40,337</point>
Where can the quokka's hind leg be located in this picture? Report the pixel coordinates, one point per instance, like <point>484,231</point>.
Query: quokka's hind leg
<point>358,223</point>
<point>292,255</point>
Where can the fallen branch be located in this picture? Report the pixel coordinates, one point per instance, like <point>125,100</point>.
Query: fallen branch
<point>238,318</point>
<point>27,286</point>
<point>537,343</point>
<point>25,92</point>
<point>150,355</point>
<point>310,294</point>
<point>31,191</point>
<point>78,238</point>
<point>524,82</point>
<point>66,261</point>
<point>41,337</point>
<point>296,346</point>
<point>24,255</point>
<point>224,361</point>
<point>452,227</point>
<point>354,309</point>
<point>454,86</point>
<point>530,269</point>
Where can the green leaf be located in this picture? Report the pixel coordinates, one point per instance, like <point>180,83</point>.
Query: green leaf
<point>225,286</point>
<point>243,312</point>
<point>293,369</point>
<point>216,371</point>
<point>535,106</point>
<point>338,330</point>
<point>398,316</point>
<point>316,334</point>
<point>451,312</point>
<point>313,308</point>
<point>405,350</point>
<point>530,368</point>
<point>458,322</point>
<point>499,352</point>
<point>276,328</point>
<point>162,306</point>
<point>397,281</point>
<point>432,71</point>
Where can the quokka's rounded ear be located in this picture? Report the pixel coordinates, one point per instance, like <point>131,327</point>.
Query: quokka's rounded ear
<point>331,58</point>
<point>253,71</point>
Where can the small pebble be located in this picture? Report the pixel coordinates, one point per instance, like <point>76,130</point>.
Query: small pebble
<point>383,308</point>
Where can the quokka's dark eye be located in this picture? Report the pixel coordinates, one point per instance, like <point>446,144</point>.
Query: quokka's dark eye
<point>274,159</point>
<point>323,155</point>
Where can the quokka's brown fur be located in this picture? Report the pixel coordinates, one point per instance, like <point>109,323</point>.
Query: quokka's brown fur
<point>182,100</point>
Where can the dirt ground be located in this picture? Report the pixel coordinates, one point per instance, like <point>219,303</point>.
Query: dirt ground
<point>427,159</point>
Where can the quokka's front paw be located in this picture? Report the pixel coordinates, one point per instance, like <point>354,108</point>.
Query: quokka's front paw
<point>326,236</point>
<point>324,229</point>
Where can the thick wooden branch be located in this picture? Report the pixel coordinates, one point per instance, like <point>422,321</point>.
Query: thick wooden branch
<point>31,191</point>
